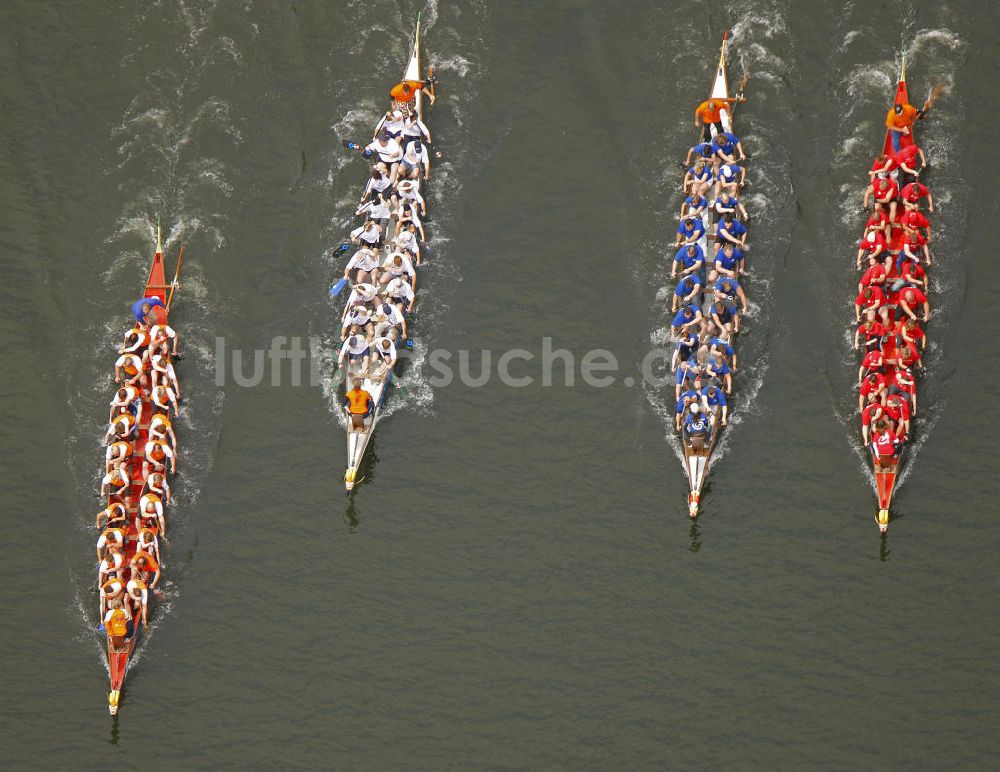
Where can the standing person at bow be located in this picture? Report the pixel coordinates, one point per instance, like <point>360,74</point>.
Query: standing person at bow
<point>709,113</point>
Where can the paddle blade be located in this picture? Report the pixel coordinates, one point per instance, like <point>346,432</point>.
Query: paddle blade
<point>350,145</point>
<point>935,93</point>
<point>345,246</point>
<point>337,288</point>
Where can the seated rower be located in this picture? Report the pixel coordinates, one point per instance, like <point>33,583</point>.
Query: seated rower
<point>157,453</point>
<point>720,345</point>
<point>163,398</point>
<point>121,427</point>
<point>112,564</point>
<point>684,320</point>
<point>912,193</point>
<point>357,318</point>
<point>163,337</point>
<point>386,317</point>
<point>694,205</point>
<point>719,370</point>
<point>406,217</point>
<point>698,178</point>
<point>156,484</point>
<point>689,231</point>
<point>413,129</point>
<point>406,241</point>
<point>356,350</point>
<point>126,399</point>
<point>697,426</point>
<point>408,192</point>
<point>377,210</point>
<point>879,220</point>
<point>150,514</point>
<point>163,373</point>
<point>685,346</point>
<point>397,265</point>
<point>392,125</point>
<point>871,412</point>
<point>118,452</point>
<point>363,263</point>
<point>871,299</point>
<point>132,367</point>
<point>704,150</point>
<point>914,247</point>
<point>113,604</point>
<point>881,166</point>
<point>730,289</point>
<point>729,230</point>
<point>399,292</point>
<point>415,160</point>
<point>903,382</point>
<point>897,410</point>
<point>359,405</point>
<point>871,329</point>
<point>136,339</point>
<point>883,190</point>
<point>916,220</point>
<point>725,204</point>
<point>684,402</point>
<point>147,540</point>
<point>687,291</point>
<point>715,399</point>
<point>727,148</point>
<point>388,152</point>
<point>912,300</point>
<point>724,313</point>
<point>383,358</point>
<point>911,332</point>
<point>115,482</point>
<point>874,383</point>
<point>689,259</point>
<point>142,311</point>
<point>379,182</point>
<point>160,428</point>
<point>687,373</point>
<point>362,293</point>
<point>730,179</point>
<point>114,515</point>
<point>873,246</point>
<point>112,536</point>
<point>884,444</point>
<point>369,234</point>
<point>145,568</point>
<point>872,362</point>
<point>875,276</point>
<point>138,593</point>
<point>910,160</point>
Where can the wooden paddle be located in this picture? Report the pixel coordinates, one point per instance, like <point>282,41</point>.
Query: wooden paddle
<point>935,93</point>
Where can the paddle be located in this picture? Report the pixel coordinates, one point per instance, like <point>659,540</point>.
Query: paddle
<point>337,288</point>
<point>935,93</point>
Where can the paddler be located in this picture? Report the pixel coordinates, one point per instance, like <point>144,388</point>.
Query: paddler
<point>364,262</point>
<point>163,335</point>
<point>385,355</point>
<point>873,411</point>
<point>157,453</point>
<point>356,350</point>
<point>110,537</point>
<point>697,424</point>
<point>709,113</point>
<point>113,600</point>
<point>400,293</point>
<point>156,483</point>
<point>164,398</point>
<point>407,241</point>
<point>114,515</point>
<point>115,482</point>
<point>117,453</point>
<point>138,593</point>
<point>359,404</point>
<point>126,399</point>
<point>406,91</point>
<point>415,160</point>
<point>386,317</point>
<point>150,513</point>
<point>148,542</point>
<point>370,233</point>
<point>885,444</point>
<point>913,299</point>
<point>144,565</point>
<point>112,564</point>
<point>899,120</point>
<point>388,151</point>
<point>135,339</point>
<point>142,308</point>
<point>132,367</point>
<point>161,429</point>
<point>715,398</point>
<point>163,373</point>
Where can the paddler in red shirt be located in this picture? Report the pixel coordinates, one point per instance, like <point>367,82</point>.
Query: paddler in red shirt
<point>912,193</point>
<point>871,363</point>
<point>870,298</point>
<point>873,245</point>
<point>897,409</point>
<point>911,299</point>
<point>872,329</point>
<point>871,412</point>
<point>874,384</point>
<point>874,276</point>
<point>906,160</point>
<point>879,220</point>
<point>885,444</point>
<point>911,332</point>
<point>917,220</point>
<point>884,191</point>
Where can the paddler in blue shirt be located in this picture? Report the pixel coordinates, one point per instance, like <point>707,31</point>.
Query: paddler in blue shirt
<point>689,231</point>
<point>715,398</point>
<point>686,291</point>
<point>685,319</point>
<point>142,307</point>
<point>703,149</point>
<point>725,146</point>
<point>691,258</point>
<point>697,424</point>
<point>684,401</point>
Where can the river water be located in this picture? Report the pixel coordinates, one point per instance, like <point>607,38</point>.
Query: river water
<point>515,583</point>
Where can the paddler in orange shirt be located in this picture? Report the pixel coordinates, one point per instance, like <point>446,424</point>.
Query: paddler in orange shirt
<point>406,91</point>
<point>710,112</point>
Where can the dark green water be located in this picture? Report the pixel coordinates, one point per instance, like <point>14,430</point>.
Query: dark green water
<point>516,583</point>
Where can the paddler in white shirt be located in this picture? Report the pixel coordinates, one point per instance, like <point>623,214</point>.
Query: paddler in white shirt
<point>115,482</point>
<point>370,234</point>
<point>378,182</point>
<point>388,151</point>
<point>407,241</point>
<point>121,427</point>
<point>357,317</point>
<point>126,398</point>
<point>364,262</point>
<point>395,266</point>
<point>414,129</point>
<point>163,335</point>
<point>113,515</point>
<point>393,124</point>
<point>415,159</point>
<point>160,428</point>
<point>356,350</point>
<point>385,357</point>
<point>117,453</point>
<point>387,317</point>
<point>157,453</point>
<point>408,192</point>
<point>138,593</point>
<point>163,373</point>
<point>164,398</point>
<point>361,293</point>
<point>156,483</point>
<point>399,292</point>
<point>150,514</point>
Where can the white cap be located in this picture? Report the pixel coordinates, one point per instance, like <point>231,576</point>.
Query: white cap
<point>695,407</point>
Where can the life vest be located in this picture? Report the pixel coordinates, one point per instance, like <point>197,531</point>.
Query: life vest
<point>147,542</point>
<point>113,536</point>
<point>117,624</point>
<point>157,453</point>
<point>124,421</point>
<point>358,399</point>
<point>129,364</point>
<point>143,561</point>
<point>406,91</point>
<point>121,450</point>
